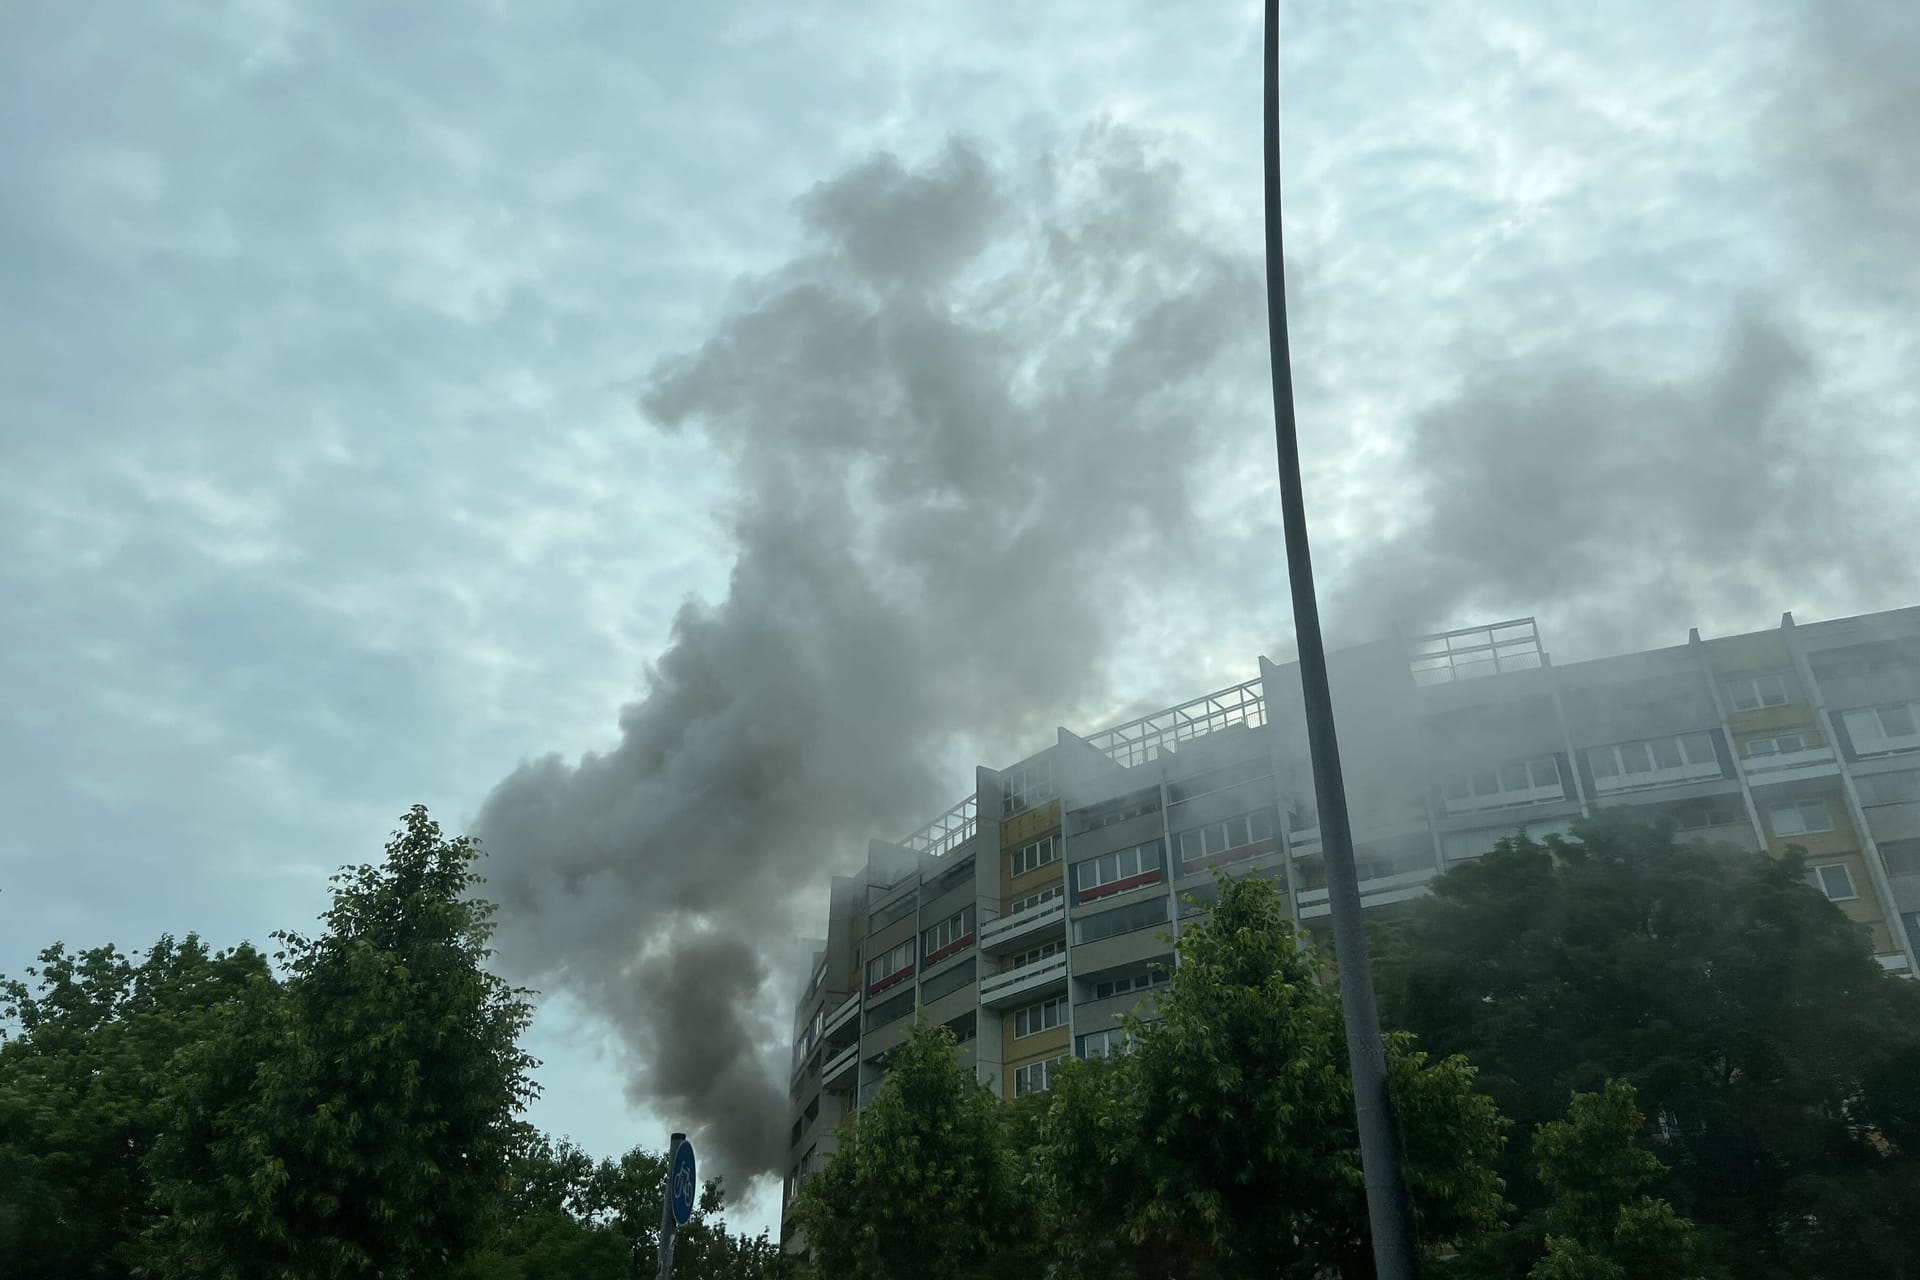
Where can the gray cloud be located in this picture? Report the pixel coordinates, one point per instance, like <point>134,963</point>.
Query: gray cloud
<point>963,422</point>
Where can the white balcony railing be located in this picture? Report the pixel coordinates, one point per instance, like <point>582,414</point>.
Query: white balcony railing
<point>841,1015</point>
<point>1007,932</point>
<point>840,1064</point>
<point>1782,760</point>
<point>1025,983</point>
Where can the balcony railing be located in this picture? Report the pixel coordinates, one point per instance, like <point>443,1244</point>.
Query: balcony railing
<point>843,1014</point>
<point>840,1065</point>
<point>1028,982</point>
<point>1007,932</point>
<point>1781,760</point>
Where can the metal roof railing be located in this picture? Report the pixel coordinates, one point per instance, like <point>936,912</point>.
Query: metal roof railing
<point>1472,652</point>
<point>953,827</point>
<point>1140,740</point>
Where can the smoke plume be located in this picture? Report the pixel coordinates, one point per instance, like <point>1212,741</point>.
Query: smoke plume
<point>963,422</point>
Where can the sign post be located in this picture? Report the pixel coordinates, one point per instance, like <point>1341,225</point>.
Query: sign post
<point>682,1195</point>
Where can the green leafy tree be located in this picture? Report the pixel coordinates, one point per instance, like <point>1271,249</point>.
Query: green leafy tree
<point>572,1219</point>
<point>1745,1010</point>
<point>363,1124</point>
<point>1223,1142</point>
<point>924,1183</point>
<point>82,1082</point>
<point>1602,1222</point>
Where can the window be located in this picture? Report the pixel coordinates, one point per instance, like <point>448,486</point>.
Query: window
<point>1641,764</point>
<point>1380,867</point>
<point>1031,857</point>
<point>1110,924</point>
<point>1902,857</point>
<point>1037,954</point>
<point>1026,786</point>
<point>1035,1018</point>
<point>1112,811</point>
<point>1878,729</point>
<point>1036,1077</point>
<point>951,934</point>
<point>1834,880</point>
<point>891,1011</point>
<point>947,981</point>
<point>1035,899</point>
<point>896,965</point>
<point>1890,788</point>
<point>1219,839</point>
<point>899,910</point>
<point>1117,872</point>
<point>1778,745</point>
<point>1515,782</point>
<point>1205,784</point>
<point>1102,1044</point>
<point>1750,693</point>
<point>1708,811</point>
<point>1127,983</point>
<point>1801,817</point>
<point>952,879</point>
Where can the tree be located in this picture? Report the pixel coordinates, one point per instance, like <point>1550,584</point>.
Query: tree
<point>1601,1222</point>
<point>572,1219</point>
<point>1745,1010</point>
<point>363,1124</point>
<point>81,1085</point>
<point>924,1183</point>
<point>1223,1142</point>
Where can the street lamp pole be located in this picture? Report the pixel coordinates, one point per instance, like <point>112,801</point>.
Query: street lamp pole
<point>1387,1210</point>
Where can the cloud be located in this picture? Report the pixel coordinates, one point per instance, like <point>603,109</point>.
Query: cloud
<point>962,423</point>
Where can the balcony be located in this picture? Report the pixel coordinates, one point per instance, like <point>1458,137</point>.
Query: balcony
<point>1788,766</point>
<point>1026,984</point>
<point>845,1013</point>
<point>1035,924</point>
<point>838,1075</point>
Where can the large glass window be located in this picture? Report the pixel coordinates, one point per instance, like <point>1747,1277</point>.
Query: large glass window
<point>1653,761</point>
<point>947,981</point>
<point>1217,840</point>
<point>1750,693</point>
<point>1890,788</point>
<point>1834,880</point>
<point>1110,924</point>
<point>1118,871</point>
<point>1036,1077</point>
<point>1807,816</point>
<point>887,970</point>
<point>1154,975</point>
<point>1031,857</point>
<point>1102,1044</point>
<point>1036,1018</point>
<point>949,935</point>
<point>1874,730</point>
<point>1026,786</point>
<point>1034,955</point>
<point>1035,899</point>
<point>1515,782</point>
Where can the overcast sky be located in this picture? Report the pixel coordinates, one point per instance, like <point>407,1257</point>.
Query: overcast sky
<point>325,485</point>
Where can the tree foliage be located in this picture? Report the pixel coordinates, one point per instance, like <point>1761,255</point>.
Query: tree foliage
<point>1746,1012</point>
<point>81,1085</point>
<point>1223,1142</point>
<point>925,1184</point>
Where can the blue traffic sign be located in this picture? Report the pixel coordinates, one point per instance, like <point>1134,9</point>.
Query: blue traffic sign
<point>683,1184</point>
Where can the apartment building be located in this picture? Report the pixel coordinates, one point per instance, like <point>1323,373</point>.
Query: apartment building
<point>1035,912</point>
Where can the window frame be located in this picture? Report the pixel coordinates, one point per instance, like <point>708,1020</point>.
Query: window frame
<point>1045,1070</point>
<point>893,977</point>
<point>1018,863</point>
<point>1037,898</point>
<point>955,934</point>
<point>1027,1015</point>
<point>1753,685</point>
<point>1139,907</point>
<point>1034,955</point>
<point>1798,806</point>
<point>1622,778</point>
<point>1817,877</point>
<point>1238,836</point>
<point>1027,786</point>
<point>1112,1041</point>
<point>1129,871</point>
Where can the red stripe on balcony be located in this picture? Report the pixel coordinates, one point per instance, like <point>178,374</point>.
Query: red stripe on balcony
<point>891,980</point>
<point>952,948</point>
<point>1120,886</point>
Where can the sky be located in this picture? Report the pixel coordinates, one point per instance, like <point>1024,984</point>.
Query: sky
<point>578,416</point>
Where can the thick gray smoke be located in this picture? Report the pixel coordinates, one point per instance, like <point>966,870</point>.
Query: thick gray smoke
<point>964,421</point>
<point>1605,500</point>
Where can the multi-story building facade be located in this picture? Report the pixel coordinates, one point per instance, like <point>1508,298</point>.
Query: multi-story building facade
<point>1035,912</point>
